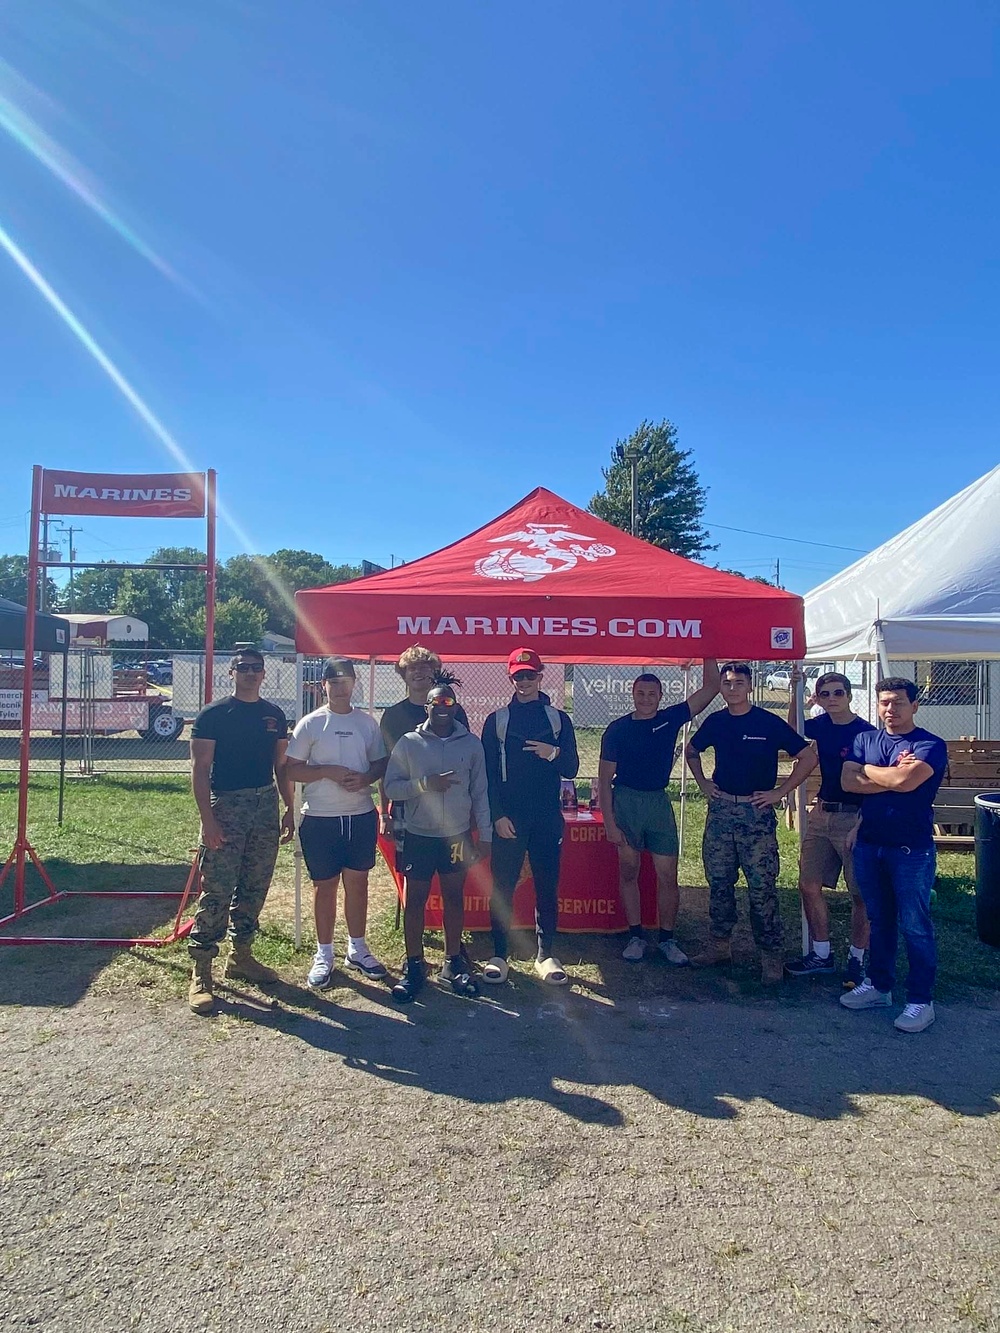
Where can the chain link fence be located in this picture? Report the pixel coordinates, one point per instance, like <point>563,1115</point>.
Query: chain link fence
<point>130,710</point>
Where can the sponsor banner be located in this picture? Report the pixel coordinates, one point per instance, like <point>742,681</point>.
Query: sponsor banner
<point>602,693</point>
<point>129,495</point>
<point>112,715</point>
<point>588,886</point>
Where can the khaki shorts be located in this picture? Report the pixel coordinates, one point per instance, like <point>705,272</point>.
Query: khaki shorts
<point>824,848</point>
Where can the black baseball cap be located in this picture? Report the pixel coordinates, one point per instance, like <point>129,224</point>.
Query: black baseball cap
<point>338,666</point>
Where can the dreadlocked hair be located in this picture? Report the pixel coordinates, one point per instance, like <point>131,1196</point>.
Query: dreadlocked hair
<point>442,676</point>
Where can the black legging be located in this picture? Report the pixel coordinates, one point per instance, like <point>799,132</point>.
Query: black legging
<point>540,836</point>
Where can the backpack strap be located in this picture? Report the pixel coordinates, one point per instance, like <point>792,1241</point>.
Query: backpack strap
<point>503,718</point>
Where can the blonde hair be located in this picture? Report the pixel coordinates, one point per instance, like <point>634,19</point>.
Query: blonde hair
<point>418,653</point>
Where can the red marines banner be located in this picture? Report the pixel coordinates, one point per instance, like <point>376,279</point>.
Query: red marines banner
<point>550,576</point>
<point>127,495</point>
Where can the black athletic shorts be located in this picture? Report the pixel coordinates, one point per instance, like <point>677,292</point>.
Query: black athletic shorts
<point>424,857</point>
<point>332,843</point>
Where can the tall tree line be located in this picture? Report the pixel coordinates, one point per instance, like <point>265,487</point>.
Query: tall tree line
<point>253,593</point>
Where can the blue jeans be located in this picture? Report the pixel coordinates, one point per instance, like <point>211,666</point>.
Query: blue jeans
<point>896,884</point>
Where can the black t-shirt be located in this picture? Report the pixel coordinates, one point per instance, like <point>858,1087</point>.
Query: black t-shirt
<point>245,736</point>
<point>407,716</point>
<point>834,745</point>
<point>746,748</point>
<point>643,749</point>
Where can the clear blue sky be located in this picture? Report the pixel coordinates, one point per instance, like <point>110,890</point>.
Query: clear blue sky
<point>433,255</point>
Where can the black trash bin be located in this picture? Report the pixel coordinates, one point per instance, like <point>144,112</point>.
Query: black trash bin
<point>988,868</point>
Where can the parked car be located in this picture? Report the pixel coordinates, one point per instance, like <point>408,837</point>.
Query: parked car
<point>161,672</point>
<point>778,680</point>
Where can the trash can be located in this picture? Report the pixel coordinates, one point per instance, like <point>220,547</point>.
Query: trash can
<point>988,868</point>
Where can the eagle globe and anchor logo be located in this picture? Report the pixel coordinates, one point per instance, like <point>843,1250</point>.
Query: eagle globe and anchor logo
<point>538,550</point>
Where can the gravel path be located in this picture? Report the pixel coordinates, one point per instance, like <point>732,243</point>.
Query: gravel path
<point>545,1159</point>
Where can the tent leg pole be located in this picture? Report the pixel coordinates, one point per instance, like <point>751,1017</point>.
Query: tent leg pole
<point>684,767</point>
<point>62,736</point>
<point>800,801</point>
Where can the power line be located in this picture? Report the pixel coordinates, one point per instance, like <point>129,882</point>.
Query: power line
<point>801,540</point>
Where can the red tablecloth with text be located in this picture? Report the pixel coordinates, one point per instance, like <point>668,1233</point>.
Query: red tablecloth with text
<point>588,884</point>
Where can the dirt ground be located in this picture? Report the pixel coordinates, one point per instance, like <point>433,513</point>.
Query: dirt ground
<point>684,1160</point>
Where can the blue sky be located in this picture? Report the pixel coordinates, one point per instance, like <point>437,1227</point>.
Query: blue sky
<point>418,259</point>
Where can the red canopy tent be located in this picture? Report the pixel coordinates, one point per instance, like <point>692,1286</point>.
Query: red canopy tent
<point>551,576</point>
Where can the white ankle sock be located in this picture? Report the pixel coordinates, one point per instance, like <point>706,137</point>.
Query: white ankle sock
<point>326,950</point>
<point>857,953</point>
<point>356,944</point>
<point>821,948</point>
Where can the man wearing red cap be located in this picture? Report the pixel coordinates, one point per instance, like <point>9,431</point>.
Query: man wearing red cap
<point>530,747</point>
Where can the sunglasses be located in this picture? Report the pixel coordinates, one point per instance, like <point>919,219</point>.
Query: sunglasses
<point>249,668</point>
<point>832,694</point>
<point>442,701</point>
<point>525,675</point>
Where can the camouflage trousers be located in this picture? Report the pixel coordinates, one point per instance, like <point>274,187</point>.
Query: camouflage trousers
<point>235,877</point>
<point>740,837</point>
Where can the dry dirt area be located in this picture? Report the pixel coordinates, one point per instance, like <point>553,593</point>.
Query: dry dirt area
<point>692,1156</point>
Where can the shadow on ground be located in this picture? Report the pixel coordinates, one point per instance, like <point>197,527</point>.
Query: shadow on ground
<point>61,974</point>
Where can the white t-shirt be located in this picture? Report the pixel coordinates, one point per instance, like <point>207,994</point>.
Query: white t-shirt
<point>352,740</point>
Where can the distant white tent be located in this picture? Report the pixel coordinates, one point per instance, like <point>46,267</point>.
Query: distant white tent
<point>933,591</point>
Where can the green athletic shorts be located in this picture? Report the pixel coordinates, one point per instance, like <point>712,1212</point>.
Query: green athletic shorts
<point>647,820</point>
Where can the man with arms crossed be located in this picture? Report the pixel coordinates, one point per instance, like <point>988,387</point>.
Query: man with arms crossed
<point>439,771</point>
<point>337,752</point>
<point>897,773</point>
<point>637,756</point>
<point>741,826</point>
<point>526,761</point>
<point>237,751</point>
<point>832,821</point>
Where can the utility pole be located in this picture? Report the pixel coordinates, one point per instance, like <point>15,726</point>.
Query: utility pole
<point>44,581</point>
<point>777,571</point>
<point>72,557</point>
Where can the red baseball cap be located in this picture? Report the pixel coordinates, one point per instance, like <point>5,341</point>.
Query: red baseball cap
<point>522,658</point>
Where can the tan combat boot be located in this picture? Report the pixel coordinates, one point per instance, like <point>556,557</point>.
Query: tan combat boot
<point>772,966</point>
<point>200,997</point>
<point>715,951</point>
<point>242,966</point>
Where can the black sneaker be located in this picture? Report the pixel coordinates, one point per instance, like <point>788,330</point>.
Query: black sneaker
<point>811,966</point>
<point>854,973</point>
<point>411,983</point>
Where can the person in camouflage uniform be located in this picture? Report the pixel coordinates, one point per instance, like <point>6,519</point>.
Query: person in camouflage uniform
<point>237,750</point>
<point>741,826</point>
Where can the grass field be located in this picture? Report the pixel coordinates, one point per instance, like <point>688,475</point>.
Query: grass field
<point>140,831</point>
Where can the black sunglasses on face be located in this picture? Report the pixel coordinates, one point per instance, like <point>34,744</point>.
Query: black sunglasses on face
<point>832,694</point>
<point>248,668</point>
<point>524,675</point>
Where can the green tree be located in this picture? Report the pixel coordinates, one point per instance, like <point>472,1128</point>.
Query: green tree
<point>236,621</point>
<point>270,582</point>
<point>95,589</point>
<point>671,501</point>
<point>144,594</point>
<point>14,581</point>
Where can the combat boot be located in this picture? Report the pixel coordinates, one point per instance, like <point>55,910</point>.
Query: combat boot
<point>200,997</point>
<point>715,951</point>
<point>242,966</point>
<point>772,966</point>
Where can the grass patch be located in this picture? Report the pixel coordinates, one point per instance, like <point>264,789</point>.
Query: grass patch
<point>140,830</point>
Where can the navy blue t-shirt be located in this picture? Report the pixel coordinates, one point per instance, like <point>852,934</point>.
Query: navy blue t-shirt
<point>642,749</point>
<point>746,748</point>
<point>900,818</point>
<point>834,743</point>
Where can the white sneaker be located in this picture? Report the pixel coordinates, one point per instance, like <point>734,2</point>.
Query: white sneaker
<point>635,950</point>
<point>321,973</point>
<point>367,963</point>
<point>673,954</point>
<point>915,1017</point>
<point>866,996</point>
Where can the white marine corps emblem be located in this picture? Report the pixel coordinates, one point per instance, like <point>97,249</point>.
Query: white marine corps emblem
<point>537,551</point>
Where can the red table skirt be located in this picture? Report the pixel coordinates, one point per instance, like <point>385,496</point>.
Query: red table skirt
<point>588,884</point>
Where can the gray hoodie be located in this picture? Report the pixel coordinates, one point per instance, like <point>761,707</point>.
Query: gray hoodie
<point>433,814</point>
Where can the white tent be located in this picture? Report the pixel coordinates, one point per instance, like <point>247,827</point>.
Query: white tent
<point>933,591</point>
